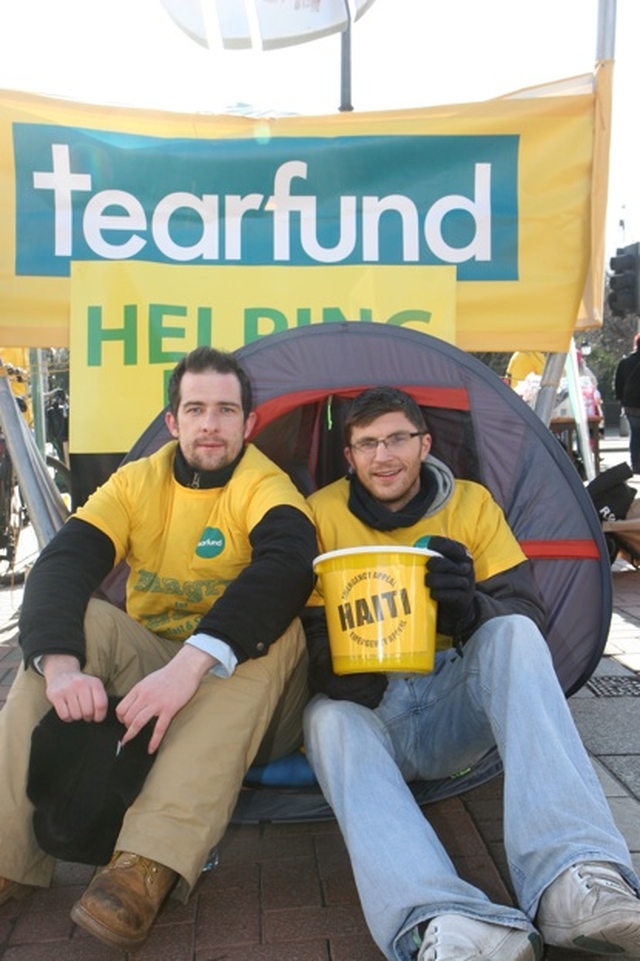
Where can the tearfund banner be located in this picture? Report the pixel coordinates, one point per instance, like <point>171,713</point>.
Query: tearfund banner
<point>132,236</point>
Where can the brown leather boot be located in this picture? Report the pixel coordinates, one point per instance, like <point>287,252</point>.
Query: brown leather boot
<point>13,889</point>
<point>123,899</point>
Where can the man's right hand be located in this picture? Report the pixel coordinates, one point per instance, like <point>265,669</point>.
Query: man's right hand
<point>75,696</point>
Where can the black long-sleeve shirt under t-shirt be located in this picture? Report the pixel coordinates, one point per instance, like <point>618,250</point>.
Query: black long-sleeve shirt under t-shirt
<point>254,610</point>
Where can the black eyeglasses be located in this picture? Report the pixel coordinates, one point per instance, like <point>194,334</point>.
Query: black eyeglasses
<point>394,442</point>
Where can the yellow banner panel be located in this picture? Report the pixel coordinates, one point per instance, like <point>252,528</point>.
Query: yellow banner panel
<point>131,323</point>
<point>509,193</point>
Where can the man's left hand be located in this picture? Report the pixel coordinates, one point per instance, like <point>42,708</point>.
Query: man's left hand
<point>452,583</point>
<point>162,694</point>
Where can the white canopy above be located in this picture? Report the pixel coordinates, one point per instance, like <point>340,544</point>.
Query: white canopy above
<point>261,23</point>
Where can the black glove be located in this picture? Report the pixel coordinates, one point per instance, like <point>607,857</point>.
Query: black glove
<point>452,582</point>
<point>365,689</point>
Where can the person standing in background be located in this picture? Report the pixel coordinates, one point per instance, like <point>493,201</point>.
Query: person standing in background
<point>626,386</point>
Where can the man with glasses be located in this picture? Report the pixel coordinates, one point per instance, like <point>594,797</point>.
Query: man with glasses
<point>366,735</point>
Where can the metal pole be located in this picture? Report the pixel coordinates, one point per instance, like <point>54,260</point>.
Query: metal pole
<point>37,398</point>
<point>345,65</point>
<point>555,363</point>
<point>546,396</point>
<point>47,510</point>
<point>606,38</point>
<point>579,411</point>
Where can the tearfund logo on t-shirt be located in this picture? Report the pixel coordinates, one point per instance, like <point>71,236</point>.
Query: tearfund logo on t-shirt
<point>422,542</point>
<point>211,543</point>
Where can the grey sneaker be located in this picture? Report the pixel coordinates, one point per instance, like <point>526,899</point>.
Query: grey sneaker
<point>454,937</point>
<point>590,907</point>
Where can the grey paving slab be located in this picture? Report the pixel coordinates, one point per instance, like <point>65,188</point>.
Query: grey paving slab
<point>611,785</point>
<point>626,767</point>
<point>608,725</point>
<point>626,813</point>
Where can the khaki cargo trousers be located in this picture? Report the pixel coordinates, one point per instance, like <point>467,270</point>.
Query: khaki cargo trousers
<point>189,796</point>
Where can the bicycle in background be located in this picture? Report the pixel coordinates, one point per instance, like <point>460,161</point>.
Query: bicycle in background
<point>13,520</point>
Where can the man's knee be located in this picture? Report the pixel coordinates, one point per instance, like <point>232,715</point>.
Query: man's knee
<point>100,623</point>
<point>332,722</point>
<point>512,639</point>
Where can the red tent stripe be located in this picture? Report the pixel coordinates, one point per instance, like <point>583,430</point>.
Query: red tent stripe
<point>569,549</point>
<point>451,398</point>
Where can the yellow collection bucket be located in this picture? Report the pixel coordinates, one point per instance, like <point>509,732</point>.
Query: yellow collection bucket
<point>380,615</point>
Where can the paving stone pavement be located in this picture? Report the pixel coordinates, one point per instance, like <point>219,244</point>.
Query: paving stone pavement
<point>285,891</point>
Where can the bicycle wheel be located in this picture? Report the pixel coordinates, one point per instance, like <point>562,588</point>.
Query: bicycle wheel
<point>13,520</point>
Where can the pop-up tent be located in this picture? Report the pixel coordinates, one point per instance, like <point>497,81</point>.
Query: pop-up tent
<point>304,380</point>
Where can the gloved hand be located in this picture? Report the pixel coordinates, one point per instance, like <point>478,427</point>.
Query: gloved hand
<point>365,689</point>
<point>452,582</point>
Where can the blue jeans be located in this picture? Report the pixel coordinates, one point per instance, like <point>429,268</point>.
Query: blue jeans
<point>502,691</point>
<point>634,441</point>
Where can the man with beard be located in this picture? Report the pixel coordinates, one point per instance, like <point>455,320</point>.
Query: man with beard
<point>219,545</point>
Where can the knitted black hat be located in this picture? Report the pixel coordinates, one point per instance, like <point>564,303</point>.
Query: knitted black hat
<point>81,783</point>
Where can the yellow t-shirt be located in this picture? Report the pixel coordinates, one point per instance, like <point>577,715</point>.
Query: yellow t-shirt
<point>184,546</point>
<point>470,516</point>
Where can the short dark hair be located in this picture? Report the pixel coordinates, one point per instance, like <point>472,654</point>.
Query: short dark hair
<point>376,401</point>
<point>209,358</point>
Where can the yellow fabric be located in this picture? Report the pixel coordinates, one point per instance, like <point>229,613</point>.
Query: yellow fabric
<point>524,362</point>
<point>184,546</point>
<point>562,129</point>
<point>471,516</point>
<point>17,358</point>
